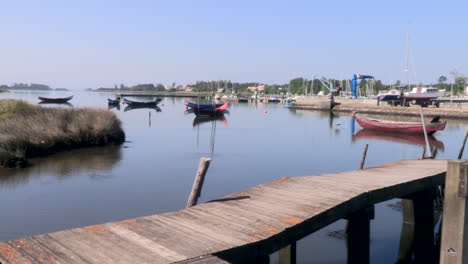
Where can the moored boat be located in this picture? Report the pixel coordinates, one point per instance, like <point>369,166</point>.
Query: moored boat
<point>210,111</point>
<point>204,106</point>
<point>55,100</point>
<point>422,93</point>
<point>400,127</point>
<point>142,103</point>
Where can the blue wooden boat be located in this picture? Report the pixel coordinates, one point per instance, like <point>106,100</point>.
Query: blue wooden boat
<point>195,106</point>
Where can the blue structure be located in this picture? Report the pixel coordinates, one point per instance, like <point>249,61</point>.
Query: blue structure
<point>354,83</point>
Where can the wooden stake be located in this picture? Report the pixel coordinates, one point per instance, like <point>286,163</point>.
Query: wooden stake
<point>428,148</point>
<point>363,157</point>
<point>198,183</point>
<point>460,154</point>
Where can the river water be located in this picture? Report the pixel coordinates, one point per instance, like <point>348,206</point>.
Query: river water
<point>153,171</point>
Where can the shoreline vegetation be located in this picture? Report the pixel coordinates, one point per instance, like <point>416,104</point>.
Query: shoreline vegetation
<point>30,87</point>
<point>28,130</point>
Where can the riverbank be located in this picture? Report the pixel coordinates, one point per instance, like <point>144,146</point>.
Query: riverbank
<point>28,130</point>
<point>369,106</point>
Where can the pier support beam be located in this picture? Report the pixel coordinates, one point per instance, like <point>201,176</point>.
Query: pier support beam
<point>417,233</point>
<point>424,226</point>
<point>358,236</point>
<point>454,247</point>
<point>287,255</point>
<point>405,251</point>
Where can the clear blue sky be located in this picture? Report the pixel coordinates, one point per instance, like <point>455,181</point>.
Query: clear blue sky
<point>80,44</point>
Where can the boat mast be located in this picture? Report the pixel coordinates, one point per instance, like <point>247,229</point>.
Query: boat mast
<point>406,61</point>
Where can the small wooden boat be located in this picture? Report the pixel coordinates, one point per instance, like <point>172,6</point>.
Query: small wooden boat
<point>144,103</point>
<point>401,127</point>
<point>55,100</point>
<point>204,106</point>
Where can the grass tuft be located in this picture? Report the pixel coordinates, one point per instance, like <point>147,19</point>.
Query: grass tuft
<point>27,130</point>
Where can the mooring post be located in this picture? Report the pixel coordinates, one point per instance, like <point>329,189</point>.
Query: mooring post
<point>363,160</point>
<point>428,150</point>
<point>287,255</point>
<point>198,183</point>
<point>454,246</point>
<point>358,236</point>
<point>460,153</point>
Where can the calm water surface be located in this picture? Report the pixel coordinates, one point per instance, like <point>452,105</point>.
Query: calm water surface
<point>153,171</point>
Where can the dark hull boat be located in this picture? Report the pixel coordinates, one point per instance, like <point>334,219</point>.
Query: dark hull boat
<point>140,103</point>
<point>55,100</point>
<point>195,106</point>
<point>209,111</point>
<point>133,107</point>
<point>400,127</point>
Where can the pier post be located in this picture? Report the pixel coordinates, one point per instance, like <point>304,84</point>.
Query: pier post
<point>405,250</point>
<point>198,183</point>
<point>417,233</point>
<point>424,245</point>
<point>358,236</point>
<point>454,246</point>
<point>287,255</point>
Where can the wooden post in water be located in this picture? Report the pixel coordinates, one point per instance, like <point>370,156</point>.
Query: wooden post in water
<point>428,148</point>
<point>460,153</point>
<point>287,255</point>
<point>405,251</point>
<point>364,154</point>
<point>358,236</point>
<point>454,246</point>
<point>198,183</point>
<point>424,226</point>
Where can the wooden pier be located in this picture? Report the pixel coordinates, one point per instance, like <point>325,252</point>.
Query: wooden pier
<point>247,226</point>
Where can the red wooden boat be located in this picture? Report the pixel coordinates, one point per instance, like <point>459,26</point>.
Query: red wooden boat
<point>400,127</point>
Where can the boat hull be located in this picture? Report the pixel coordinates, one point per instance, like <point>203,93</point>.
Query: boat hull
<point>195,106</point>
<point>143,104</point>
<point>55,100</point>
<point>409,128</point>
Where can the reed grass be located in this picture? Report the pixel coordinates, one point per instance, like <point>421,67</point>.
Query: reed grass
<point>27,130</point>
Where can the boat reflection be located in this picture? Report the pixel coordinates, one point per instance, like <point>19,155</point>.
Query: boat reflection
<point>94,161</point>
<point>199,119</point>
<point>398,138</point>
<point>56,104</point>
<point>133,107</point>
<point>111,106</point>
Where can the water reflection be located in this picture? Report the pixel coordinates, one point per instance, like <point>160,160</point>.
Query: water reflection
<point>66,164</point>
<point>398,138</point>
<point>56,104</point>
<point>199,119</point>
<point>111,106</point>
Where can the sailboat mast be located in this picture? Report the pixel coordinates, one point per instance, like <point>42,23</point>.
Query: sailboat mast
<point>406,61</point>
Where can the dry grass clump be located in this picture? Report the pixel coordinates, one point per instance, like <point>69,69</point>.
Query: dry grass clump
<point>28,130</point>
